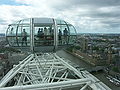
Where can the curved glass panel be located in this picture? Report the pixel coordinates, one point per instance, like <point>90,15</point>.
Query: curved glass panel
<point>43,21</point>
<point>72,36</point>
<point>44,35</point>
<point>18,33</point>
<point>60,22</point>
<point>63,32</point>
<point>66,33</point>
<point>23,33</point>
<point>11,35</point>
<point>43,31</point>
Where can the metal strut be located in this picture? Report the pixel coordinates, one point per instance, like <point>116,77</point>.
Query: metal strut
<point>48,71</point>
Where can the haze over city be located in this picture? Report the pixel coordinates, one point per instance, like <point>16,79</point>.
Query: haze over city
<point>88,16</point>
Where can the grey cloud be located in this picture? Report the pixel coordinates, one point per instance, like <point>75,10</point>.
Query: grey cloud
<point>93,10</point>
<point>104,15</point>
<point>3,22</point>
<point>96,2</point>
<point>70,9</point>
<point>86,4</point>
<point>113,24</point>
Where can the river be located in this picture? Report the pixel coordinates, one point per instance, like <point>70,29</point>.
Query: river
<point>82,64</point>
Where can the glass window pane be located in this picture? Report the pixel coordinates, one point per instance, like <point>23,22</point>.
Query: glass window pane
<point>72,36</point>
<point>25,34</point>
<point>44,35</point>
<point>12,35</point>
<point>60,22</point>
<point>63,33</point>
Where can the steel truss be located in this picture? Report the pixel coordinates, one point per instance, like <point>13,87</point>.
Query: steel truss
<point>48,72</point>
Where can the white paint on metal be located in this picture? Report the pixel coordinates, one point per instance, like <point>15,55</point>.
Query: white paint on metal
<point>48,71</point>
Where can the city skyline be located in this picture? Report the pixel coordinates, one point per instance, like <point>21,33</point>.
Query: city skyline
<point>88,16</point>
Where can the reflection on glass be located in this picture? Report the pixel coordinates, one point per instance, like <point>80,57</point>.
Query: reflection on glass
<point>18,34</point>
<point>44,36</point>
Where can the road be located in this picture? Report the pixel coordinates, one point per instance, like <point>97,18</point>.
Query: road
<point>82,64</point>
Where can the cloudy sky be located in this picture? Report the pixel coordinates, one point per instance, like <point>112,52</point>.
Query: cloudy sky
<point>88,16</point>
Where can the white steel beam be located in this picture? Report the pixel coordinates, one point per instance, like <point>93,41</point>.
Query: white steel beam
<point>14,71</point>
<point>49,85</point>
<point>69,66</point>
<point>49,71</point>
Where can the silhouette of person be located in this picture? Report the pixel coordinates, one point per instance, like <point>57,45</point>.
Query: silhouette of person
<point>45,31</point>
<point>11,33</point>
<point>40,33</point>
<point>60,36</point>
<point>24,37</point>
<point>65,33</point>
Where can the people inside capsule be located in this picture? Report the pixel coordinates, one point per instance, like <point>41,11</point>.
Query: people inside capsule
<point>45,31</point>
<point>40,33</point>
<point>65,34</point>
<point>24,37</point>
<point>40,36</point>
<point>60,36</point>
<point>11,33</point>
<point>52,33</point>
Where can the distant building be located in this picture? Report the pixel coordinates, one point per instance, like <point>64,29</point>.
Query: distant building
<point>3,56</point>
<point>109,55</point>
<point>83,42</point>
